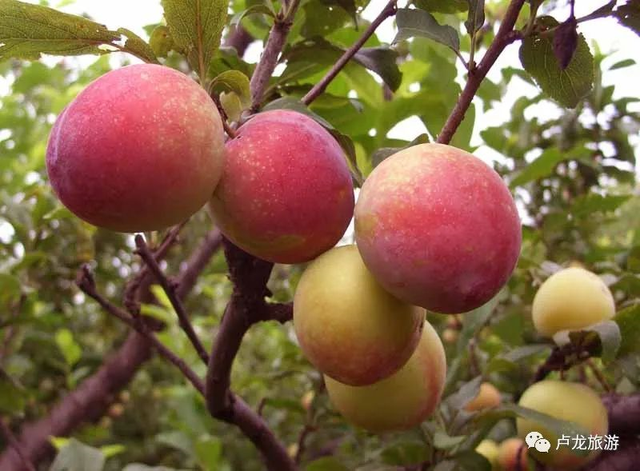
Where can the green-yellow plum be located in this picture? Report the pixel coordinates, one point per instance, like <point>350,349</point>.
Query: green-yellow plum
<point>401,401</point>
<point>347,325</point>
<point>489,449</point>
<point>572,402</point>
<point>571,299</point>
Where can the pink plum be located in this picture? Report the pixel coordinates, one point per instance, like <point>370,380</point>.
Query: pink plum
<point>438,228</point>
<point>286,194</point>
<point>140,149</point>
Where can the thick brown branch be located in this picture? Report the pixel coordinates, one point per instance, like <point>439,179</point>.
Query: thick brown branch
<point>171,291</point>
<point>505,36</point>
<point>388,11</point>
<point>246,307</point>
<point>17,447</point>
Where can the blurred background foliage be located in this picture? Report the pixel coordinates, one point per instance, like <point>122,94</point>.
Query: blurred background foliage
<point>573,173</point>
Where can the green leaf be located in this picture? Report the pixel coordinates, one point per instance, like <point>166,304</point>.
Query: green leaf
<point>511,359</point>
<point>326,464</point>
<point>144,467</point>
<point>467,392</point>
<point>475,19</point>
<point>12,397</point>
<point>628,321</point>
<point>385,152</point>
<point>110,451</point>
<point>236,82</point>
<point>471,461</point>
<point>136,46</point>
<point>27,31</point>
<point>602,339</point>
<point>622,64</point>
<point>10,292</point>
<point>540,167</point>
<point>442,6</point>
<point>593,202</point>
<point>442,441</point>
<point>474,321</point>
<point>405,453</point>
<point>76,456</point>
<point>413,23</point>
<point>569,86</point>
<point>68,346</point>
<point>382,61</point>
<point>161,41</point>
<point>196,27</point>
<point>259,9</point>
<point>629,15</point>
<point>209,452</point>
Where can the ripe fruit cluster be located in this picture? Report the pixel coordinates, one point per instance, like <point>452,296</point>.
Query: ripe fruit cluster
<point>142,148</point>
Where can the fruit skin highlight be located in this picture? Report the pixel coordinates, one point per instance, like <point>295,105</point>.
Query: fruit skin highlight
<point>286,194</point>
<point>571,299</point>
<point>348,326</point>
<point>438,228</point>
<point>572,402</point>
<point>401,401</point>
<point>140,149</point>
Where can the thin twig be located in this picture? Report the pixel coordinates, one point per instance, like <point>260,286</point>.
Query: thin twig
<point>388,11</point>
<point>170,290</point>
<point>11,439</point>
<point>86,283</point>
<point>505,36</point>
<point>131,289</point>
<point>599,376</point>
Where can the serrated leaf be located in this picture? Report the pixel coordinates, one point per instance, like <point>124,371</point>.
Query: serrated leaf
<point>405,453</point>
<point>196,27</point>
<point>628,321</point>
<point>467,392</point>
<point>565,42</point>
<point>629,15</point>
<point>607,333</point>
<point>232,105</point>
<point>471,461</point>
<point>421,23</point>
<point>76,456</point>
<point>137,46</point>
<point>475,19</point>
<point>567,86</point>
<point>236,82</point>
<point>442,6</point>
<point>27,31</point>
<point>511,359</point>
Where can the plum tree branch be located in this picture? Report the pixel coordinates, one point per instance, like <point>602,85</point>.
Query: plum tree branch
<point>170,288</point>
<point>505,36</point>
<point>269,59</point>
<point>89,401</point>
<point>246,307</point>
<point>13,442</point>
<point>317,90</point>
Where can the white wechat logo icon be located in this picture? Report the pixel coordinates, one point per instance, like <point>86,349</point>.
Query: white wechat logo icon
<point>537,441</point>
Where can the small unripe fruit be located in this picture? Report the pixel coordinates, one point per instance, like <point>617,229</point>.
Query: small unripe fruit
<point>438,228</point>
<point>286,193</point>
<point>489,449</point>
<point>571,299</point>
<point>572,402</point>
<point>140,149</point>
<point>488,396</point>
<point>510,452</point>
<point>450,336</point>
<point>348,326</point>
<point>401,401</point>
